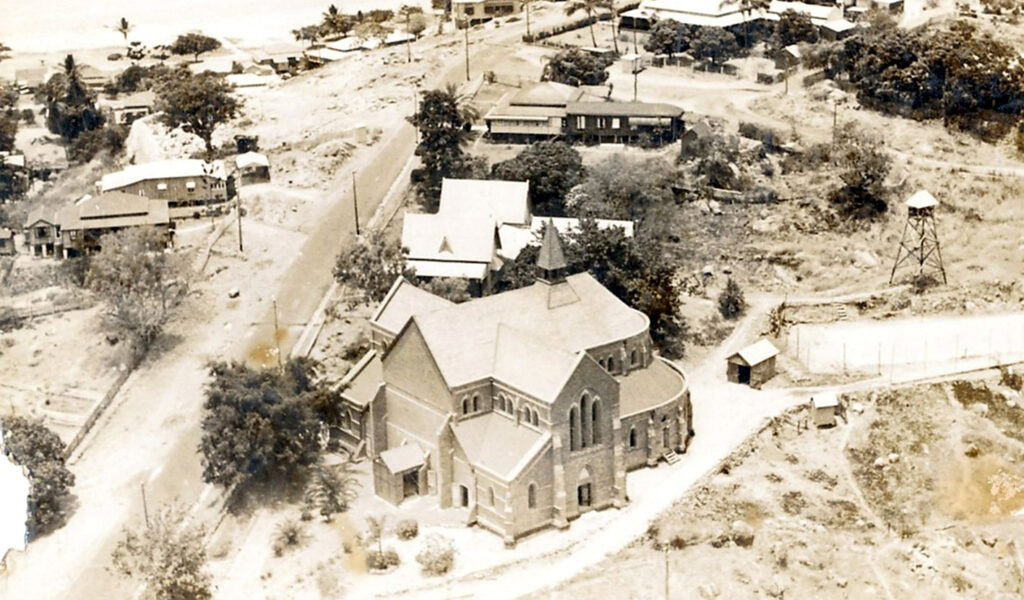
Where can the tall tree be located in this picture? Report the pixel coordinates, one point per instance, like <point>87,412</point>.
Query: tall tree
<point>140,284</point>
<point>194,44</point>
<point>123,27</point>
<point>794,27</point>
<point>576,67</point>
<point>29,443</point>
<point>551,167</point>
<point>864,165</point>
<point>443,119</point>
<point>590,7</point>
<point>70,107</point>
<point>369,266</point>
<point>310,34</point>
<point>168,555</point>
<point>332,489</point>
<point>196,103</point>
<point>715,44</point>
<point>668,37</point>
<point>623,187</point>
<point>257,424</point>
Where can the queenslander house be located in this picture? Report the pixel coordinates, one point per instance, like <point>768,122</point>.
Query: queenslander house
<point>526,407</point>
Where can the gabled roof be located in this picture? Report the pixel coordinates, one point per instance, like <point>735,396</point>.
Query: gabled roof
<point>922,199</point>
<point>43,214</point>
<point>546,93</point>
<point>540,371</point>
<point>33,76</point>
<point>251,159</point>
<point>403,301</point>
<point>551,256</point>
<point>359,385</point>
<point>113,210</point>
<point>449,238</point>
<point>825,400</point>
<point>135,100</point>
<point>501,201</point>
<point>756,353</point>
<point>495,443</point>
<point>403,458</point>
<point>839,25</point>
<point>163,169</point>
<point>624,109</point>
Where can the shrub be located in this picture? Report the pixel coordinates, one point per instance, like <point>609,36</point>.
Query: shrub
<point>290,534</point>
<point>1010,379</point>
<point>382,560</point>
<point>28,116</point>
<point>437,556</point>
<point>731,303</point>
<point>407,529</point>
<point>29,443</point>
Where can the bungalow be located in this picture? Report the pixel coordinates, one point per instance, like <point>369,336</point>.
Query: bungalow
<point>7,242</point>
<point>623,122</point>
<point>42,232</point>
<point>836,30</point>
<point>93,78</point>
<point>480,11</point>
<point>533,113</point>
<point>190,187</point>
<point>253,167</point>
<point>83,223</point>
<point>126,109</point>
<point>281,57</point>
<point>30,80</point>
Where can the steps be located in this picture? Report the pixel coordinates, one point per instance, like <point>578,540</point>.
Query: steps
<point>670,457</point>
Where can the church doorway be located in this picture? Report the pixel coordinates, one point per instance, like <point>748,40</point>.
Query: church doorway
<point>463,495</point>
<point>583,497</point>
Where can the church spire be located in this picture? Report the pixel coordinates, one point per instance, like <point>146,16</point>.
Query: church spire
<point>551,263</point>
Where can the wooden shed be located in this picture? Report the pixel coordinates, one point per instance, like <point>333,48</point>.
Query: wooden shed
<point>753,365</point>
<point>824,408</point>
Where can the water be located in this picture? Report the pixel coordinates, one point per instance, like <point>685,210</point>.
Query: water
<point>53,25</point>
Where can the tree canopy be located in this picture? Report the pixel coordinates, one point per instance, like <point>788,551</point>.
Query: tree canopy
<point>168,555</point>
<point>258,423</point>
<point>794,27</point>
<point>622,187</point>
<point>194,44</point>
<point>551,167</point>
<point>576,67</point>
<point>71,109</point>
<point>443,118</point>
<point>29,443</point>
<point>668,36</point>
<point>198,103</point>
<point>140,284</point>
<point>369,266</point>
<point>715,44</point>
<point>864,165</point>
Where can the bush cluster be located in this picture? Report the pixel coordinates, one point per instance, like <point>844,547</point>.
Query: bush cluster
<point>437,556</point>
<point>383,560</point>
<point>407,529</point>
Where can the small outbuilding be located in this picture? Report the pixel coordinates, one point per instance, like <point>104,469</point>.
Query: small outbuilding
<point>824,408</point>
<point>753,365</point>
<point>6,242</point>
<point>253,167</point>
<point>399,473</point>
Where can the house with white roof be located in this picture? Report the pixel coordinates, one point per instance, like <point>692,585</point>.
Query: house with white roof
<point>191,187</point>
<point>525,409</point>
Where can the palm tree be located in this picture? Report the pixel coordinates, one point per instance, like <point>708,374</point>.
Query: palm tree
<point>333,489</point>
<point>615,37</point>
<point>747,7</point>
<point>376,527</point>
<point>123,27</point>
<point>590,7</point>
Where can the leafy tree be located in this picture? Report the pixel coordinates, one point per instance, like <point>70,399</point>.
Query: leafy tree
<point>450,288</point>
<point>8,130</point>
<point>109,139</point>
<point>333,488</point>
<point>29,443</point>
<point>590,7</point>
<point>794,27</point>
<point>137,78</point>
<point>668,37</point>
<point>196,103</point>
<point>168,555</point>
<point>576,67</point>
<point>731,303</point>
<point>140,284</point>
<point>715,44</point>
<point>257,423</point>
<point>194,44</point>
<point>747,7</point>
<point>70,107</point>
<point>310,34</point>
<point>375,525</point>
<point>370,266</point>
<point>443,119</point>
<point>123,27</point>
<point>622,187</point>
<point>864,166</point>
<point>337,23</point>
<point>551,167</point>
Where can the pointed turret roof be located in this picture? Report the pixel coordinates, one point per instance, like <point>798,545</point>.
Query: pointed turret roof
<point>551,257</point>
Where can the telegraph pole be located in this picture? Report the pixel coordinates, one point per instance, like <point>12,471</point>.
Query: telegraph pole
<point>145,506</point>
<point>238,207</point>
<point>466,32</point>
<point>355,201</point>
<point>666,572</point>
<point>277,340</point>
<point>835,120</point>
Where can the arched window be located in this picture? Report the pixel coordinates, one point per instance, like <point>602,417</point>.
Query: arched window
<point>585,436</point>
<point>574,429</point>
<point>536,418</point>
<point>524,414</point>
<point>490,496</point>
<point>632,437</point>
<point>531,496</point>
<point>595,423</point>
<point>476,402</point>
<point>633,358</point>
<point>465,406</point>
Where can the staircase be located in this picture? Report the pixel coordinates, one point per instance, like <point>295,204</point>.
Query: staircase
<point>670,457</point>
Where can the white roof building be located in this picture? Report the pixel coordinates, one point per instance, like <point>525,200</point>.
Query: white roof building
<point>164,169</point>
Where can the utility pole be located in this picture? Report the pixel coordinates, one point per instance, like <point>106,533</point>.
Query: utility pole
<point>526,5</point>
<point>835,120</point>
<point>238,209</point>
<point>277,340</point>
<point>355,201</point>
<point>466,32</point>
<point>666,572</point>
<point>145,506</point>
<point>408,41</point>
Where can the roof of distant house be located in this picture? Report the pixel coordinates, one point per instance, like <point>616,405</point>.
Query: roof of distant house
<point>756,353</point>
<point>839,25</point>
<point>251,159</point>
<point>91,73</point>
<point>516,237</point>
<point>625,109</point>
<point>32,76</point>
<point>497,444</point>
<point>402,301</point>
<point>546,93</point>
<point>360,384</point>
<point>164,169</point>
<point>42,213</point>
<point>15,160</point>
<point>448,238</point>
<point>113,210</point>
<point>825,400</point>
<point>6,233</point>
<point>500,201</point>
<point>144,99</point>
